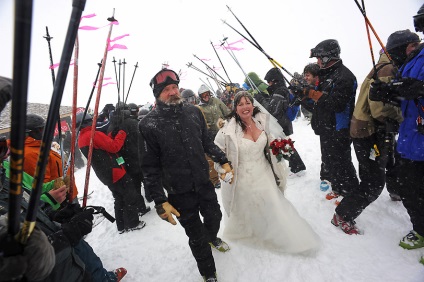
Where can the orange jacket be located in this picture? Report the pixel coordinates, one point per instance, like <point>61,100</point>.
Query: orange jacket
<point>54,164</point>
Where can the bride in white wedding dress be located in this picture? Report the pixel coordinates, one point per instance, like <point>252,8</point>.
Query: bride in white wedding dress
<point>258,213</point>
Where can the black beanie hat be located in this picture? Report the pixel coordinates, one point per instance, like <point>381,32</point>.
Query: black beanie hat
<point>275,75</point>
<point>165,78</point>
<point>400,38</point>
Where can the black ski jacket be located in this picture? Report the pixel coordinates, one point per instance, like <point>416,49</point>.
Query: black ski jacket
<point>278,105</point>
<point>173,157</point>
<point>68,265</point>
<point>333,110</point>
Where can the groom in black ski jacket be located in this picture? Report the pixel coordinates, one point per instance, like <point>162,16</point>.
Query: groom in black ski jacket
<point>176,140</point>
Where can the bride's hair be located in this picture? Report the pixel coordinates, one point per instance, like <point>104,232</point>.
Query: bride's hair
<point>236,101</point>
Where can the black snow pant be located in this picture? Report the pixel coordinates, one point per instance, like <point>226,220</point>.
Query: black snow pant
<point>411,183</point>
<point>373,176</point>
<point>199,233</point>
<point>295,163</point>
<point>138,180</point>
<point>337,166</point>
<point>126,203</point>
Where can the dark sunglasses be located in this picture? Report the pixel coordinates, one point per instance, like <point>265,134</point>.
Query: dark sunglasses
<point>4,148</point>
<point>162,76</point>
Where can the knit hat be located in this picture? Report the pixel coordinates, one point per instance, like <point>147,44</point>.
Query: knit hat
<point>162,79</point>
<point>400,38</point>
<point>275,75</point>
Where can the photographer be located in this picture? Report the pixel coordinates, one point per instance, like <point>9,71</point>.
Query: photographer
<point>409,88</point>
<point>373,128</point>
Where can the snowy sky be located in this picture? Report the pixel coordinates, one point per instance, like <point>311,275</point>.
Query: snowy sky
<point>172,31</point>
<point>160,251</point>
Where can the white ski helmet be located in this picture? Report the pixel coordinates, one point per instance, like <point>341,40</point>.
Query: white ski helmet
<point>203,88</point>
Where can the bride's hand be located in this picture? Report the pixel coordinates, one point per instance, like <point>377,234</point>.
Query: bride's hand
<point>226,173</point>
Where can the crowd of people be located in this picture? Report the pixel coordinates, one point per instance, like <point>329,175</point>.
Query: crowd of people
<point>177,153</point>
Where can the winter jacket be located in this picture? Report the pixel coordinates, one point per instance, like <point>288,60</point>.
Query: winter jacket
<point>54,163</point>
<point>260,85</point>
<point>105,158</point>
<point>333,110</point>
<point>367,112</point>
<point>278,105</point>
<point>68,265</point>
<point>173,156</point>
<point>410,141</point>
<point>27,182</point>
<point>226,140</point>
<point>130,151</point>
<point>213,110</point>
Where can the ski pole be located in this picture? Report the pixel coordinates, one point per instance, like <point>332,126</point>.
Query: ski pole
<point>21,57</point>
<point>71,157</point>
<point>221,63</point>
<point>208,67</point>
<point>135,68</point>
<point>373,30</point>
<point>233,56</point>
<point>272,61</point>
<point>96,108</point>
<point>59,128</point>
<point>190,65</point>
<point>83,116</point>
<point>116,74</point>
<point>29,223</point>
<point>119,77</point>
<point>370,43</point>
<point>123,80</point>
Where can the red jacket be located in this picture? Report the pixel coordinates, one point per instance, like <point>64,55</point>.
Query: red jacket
<point>105,158</point>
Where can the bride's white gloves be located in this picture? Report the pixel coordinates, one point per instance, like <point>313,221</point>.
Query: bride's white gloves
<point>226,172</point>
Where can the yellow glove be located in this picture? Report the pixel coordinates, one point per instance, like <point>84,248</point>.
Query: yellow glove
<point>227,168</point>
<point>165,211</point>
<point>59,182</point>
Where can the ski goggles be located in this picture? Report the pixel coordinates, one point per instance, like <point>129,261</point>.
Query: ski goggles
<point>163,76</point>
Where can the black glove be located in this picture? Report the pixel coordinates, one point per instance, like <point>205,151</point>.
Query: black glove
<point>410,88</point>
<point>297,90</point>
<point>65,214</point>
<point>380,91</point>
<point>81,224</point>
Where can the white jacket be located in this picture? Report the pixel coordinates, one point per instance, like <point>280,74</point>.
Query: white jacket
<point>226,140</point>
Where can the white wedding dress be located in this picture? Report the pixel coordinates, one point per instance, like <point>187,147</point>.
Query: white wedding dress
<point>261,216</point>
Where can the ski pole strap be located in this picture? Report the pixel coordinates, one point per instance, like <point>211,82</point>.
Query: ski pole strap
<point>101,210</point>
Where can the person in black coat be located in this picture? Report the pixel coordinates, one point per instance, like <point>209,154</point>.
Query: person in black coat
<point>122,119</point>
<point>277,105</point>
<point>173,157</point>
<point>334,103</point>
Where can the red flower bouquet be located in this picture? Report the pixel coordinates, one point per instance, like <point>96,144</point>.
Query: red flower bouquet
<point>282,148</point>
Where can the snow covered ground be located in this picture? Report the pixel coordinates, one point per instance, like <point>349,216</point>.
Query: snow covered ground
<point>160,251</point>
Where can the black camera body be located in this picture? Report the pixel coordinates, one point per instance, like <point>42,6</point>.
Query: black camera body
<point>385,92</point>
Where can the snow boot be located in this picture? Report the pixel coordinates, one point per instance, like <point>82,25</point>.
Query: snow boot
<point>219,245</point>
<point>332,195</point>
<point>144,211</point>
<point>412,240</point>
<point>120,273</point>
<point>346,226</point>
<point>211,278</point>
